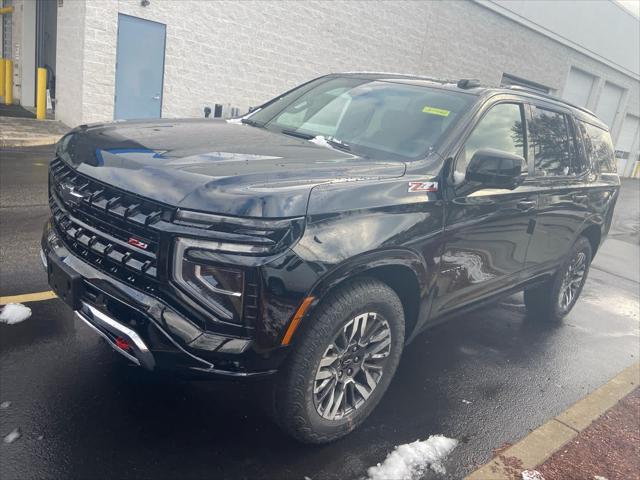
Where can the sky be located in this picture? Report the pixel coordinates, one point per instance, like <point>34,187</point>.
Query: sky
<point>632,5</point>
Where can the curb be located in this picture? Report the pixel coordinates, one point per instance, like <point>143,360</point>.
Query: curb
<point>29,142</point>
<point>550,437</point>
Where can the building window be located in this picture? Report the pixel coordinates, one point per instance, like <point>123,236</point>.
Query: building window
<point>511,80</point>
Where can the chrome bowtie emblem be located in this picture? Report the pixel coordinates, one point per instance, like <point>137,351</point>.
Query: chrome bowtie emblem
<point>69,196</point>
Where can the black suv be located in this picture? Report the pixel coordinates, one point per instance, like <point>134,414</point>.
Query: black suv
<point>316,236</point>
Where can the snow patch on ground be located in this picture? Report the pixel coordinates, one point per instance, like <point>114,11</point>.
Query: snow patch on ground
<point>237,121</point>
<point>410,461</point>
<point>5,405</point>
<point>14,313</point>
<point>13,436</point>
<point>531,475</point>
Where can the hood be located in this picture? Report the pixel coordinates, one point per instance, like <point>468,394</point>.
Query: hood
<point>214,166</point>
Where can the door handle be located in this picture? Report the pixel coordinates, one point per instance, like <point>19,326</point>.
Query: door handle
<point>526,205</point>
<point>580,198</point>
<point>156,97</point>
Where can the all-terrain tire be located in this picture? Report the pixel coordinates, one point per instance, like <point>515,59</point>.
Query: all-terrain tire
<point>294,407</point>
<point>545,301</point>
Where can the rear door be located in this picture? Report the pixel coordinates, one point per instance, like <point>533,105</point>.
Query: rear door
<point>486,230</point>
<point>561,177</point>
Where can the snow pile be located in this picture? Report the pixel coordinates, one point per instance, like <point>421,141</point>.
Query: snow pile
<point>531,475</point>
<point>14,313</point>
<point>5,405</point>
<point>13,436</point>
<point>409,461</point>
<point>236,121</point>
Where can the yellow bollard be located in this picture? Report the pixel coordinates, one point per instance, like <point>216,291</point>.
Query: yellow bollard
<point>2,60</point>
<point>2,77</point>
<point>41,98</point>
<point>8,82</point>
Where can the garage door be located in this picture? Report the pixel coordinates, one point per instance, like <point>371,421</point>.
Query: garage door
<point>609,103</point>
<point>627,142</point>
<point>578,87</point>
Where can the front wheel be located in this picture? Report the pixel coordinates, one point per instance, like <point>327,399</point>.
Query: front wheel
<point>342,364</point>
<point>555,299</point>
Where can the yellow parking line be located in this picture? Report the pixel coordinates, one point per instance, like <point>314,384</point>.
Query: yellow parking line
<point>28,297</point>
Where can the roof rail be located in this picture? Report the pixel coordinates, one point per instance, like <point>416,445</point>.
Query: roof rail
<point>391,74</point>
<point>547,95</point>
<point>467,83</point>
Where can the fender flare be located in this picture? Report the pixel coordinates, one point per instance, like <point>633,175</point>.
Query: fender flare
<point>591,221</point>
<point>392,257</point>
<point>359,265</point>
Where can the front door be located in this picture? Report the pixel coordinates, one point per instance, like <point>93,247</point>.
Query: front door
<point>139,68</point>
<point>486,230</point>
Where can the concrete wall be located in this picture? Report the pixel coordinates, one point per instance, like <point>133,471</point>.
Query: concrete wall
<point>70,54</point>
<point>242,53</point>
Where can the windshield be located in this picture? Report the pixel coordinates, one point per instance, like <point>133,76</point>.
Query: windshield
<point>371,118</point>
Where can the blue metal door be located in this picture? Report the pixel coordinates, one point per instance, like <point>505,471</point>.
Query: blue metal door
<point>139,68</point>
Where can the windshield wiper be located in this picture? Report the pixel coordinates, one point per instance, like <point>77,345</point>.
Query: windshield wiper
<point>253,123</point>
<point>293,133</point>
<point>335,143</point>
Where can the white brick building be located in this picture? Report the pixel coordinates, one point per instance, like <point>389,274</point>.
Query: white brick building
<point>240,53</point>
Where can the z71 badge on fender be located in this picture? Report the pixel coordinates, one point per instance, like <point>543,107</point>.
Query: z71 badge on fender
<point>423,187</point>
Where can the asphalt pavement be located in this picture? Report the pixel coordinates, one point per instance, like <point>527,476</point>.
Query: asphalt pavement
<point>486,378</point>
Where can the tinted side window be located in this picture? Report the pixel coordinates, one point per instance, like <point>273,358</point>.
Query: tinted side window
<point>501,129</point>
<point>553,147</point>
<point>579,162</point>
<point>599,148</point>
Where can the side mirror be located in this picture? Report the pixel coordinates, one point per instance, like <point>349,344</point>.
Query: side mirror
<point>495,169</point>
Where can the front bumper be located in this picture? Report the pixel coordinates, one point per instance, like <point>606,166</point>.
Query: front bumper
<point>150,333</point>
<point>133,348</point>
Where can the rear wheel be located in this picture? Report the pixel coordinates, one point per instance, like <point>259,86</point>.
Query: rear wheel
<point>342,364</point>
<point>554,299</point>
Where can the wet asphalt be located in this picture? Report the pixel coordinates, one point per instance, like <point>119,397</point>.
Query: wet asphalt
<point>486,378</point>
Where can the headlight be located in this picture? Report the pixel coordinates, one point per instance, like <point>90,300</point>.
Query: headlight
<point>219,288</point>
<point>245,236</point>
<point>243,241</point>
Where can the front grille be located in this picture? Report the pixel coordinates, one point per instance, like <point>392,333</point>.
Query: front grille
<point>96,222</point>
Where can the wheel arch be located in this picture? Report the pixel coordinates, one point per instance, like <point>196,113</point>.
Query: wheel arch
<point>593,233</point>
<point>402,270</point>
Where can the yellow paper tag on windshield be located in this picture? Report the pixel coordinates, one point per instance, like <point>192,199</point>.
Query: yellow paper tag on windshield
<point>436,111</point>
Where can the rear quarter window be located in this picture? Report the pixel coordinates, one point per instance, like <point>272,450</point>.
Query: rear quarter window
<point>598,147</point>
